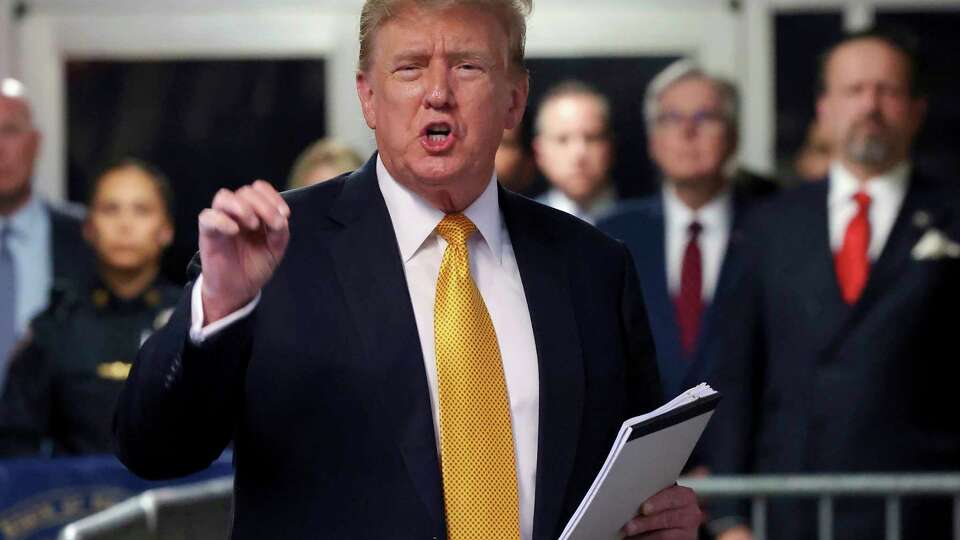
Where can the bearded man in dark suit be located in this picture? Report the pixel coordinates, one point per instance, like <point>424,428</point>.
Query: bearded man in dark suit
<point>840,356</point>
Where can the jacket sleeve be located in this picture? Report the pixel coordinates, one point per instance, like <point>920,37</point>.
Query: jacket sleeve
<point>179,407</point>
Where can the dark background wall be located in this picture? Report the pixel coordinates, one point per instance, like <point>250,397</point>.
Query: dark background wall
<point>206,124</point>
<point>799,39</point>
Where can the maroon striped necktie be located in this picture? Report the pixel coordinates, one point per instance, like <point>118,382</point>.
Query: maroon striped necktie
<point>689,303</point>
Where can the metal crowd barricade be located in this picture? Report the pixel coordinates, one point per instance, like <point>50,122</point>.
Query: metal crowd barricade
<point>893,487</point>
<point>202,511</point>
<point>195,512</point>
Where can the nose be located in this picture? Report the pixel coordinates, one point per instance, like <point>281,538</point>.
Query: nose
<point>439,94</point>
<point>689,126</point>
<point>578,145</point>
<point>125,220</point>
<point>870,99</point>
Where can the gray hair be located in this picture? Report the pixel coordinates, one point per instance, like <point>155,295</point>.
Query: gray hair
<point>567,89</point>
<point>512,14</point>
<point>682,70</point>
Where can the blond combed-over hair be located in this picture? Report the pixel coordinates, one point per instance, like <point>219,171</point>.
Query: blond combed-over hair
<point>512,14</point>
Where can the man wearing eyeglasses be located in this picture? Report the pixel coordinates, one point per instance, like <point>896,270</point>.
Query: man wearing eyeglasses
<point>681,237</point>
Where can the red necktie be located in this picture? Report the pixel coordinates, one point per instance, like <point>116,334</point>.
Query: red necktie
<point>852,261</point>
<point>690,301</point>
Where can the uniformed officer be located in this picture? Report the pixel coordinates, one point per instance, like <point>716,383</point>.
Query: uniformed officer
<point>66,375</point>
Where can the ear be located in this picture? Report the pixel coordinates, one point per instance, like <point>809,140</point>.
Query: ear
<point>823,109</point>
<point>733,141</point>
<point>535,145</point>
<point>166,234</point>
<point>519,91</point>
<point>36,138</point>
<point>365,93</point>
<point>919,106</point>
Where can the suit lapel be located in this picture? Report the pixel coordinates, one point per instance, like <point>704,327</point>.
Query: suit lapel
<point>546,286</point>
<point>730,269</point>
<point>371,273</point>
<point>896,251</point>
<point>650,257</point>
<point>813,265</point>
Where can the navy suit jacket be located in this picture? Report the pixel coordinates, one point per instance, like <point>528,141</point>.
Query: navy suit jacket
<point>323,389</point>
<point>73,259</point>
<point>640,225</point>
<point>812,384</point>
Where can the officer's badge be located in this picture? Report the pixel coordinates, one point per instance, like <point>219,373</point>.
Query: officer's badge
<point>100,297</point>
<point>114,371</point>
<point>152,298</point>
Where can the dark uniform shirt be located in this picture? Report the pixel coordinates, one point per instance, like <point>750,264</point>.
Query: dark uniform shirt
<point>66,376</point>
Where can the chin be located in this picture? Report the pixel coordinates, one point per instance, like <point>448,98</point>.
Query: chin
<point>437,173</point>
<point>124,264</point>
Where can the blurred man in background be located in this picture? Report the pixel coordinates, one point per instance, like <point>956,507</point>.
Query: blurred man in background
<point>839,356</point>
<point>812,162</point>
<point>514,163</point>
<point>66,376</point>
<point>40,245</point>
<point>322,160</point>
<point>573,150</point>
<point>681,238</point>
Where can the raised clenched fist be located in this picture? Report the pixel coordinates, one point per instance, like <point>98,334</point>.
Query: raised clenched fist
<point>243,236</point>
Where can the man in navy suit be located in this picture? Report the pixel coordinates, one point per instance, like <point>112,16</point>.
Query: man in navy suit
<point>309,339</point>
<point>684,240</point>
<point>841,354</point>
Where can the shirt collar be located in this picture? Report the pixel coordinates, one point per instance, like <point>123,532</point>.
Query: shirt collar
<point>25,220</point>
<point>604,199</point>
<point>713,216</point>
<point>414,220</point>
<point>889,185</point>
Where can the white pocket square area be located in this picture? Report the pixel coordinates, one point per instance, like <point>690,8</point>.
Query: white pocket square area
<point>935,245</point>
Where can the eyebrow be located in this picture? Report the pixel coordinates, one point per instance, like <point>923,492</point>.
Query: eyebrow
<point>420,54</point>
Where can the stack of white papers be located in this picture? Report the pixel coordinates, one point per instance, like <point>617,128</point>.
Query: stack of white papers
<point>647,457</point>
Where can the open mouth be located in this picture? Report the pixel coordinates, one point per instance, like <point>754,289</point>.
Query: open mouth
<point>437,136</point>
<point>438,132</point>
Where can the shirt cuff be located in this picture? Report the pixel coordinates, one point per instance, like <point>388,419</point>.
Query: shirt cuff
<point>200,333</point>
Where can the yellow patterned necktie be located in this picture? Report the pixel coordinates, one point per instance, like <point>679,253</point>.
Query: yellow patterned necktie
<point>476,438</point>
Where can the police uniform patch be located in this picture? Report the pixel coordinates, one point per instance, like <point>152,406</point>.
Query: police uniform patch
<point>114,371</point>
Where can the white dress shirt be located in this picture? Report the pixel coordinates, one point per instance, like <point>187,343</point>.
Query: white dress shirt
<point>886,193</point>
<point>494,269</point>
<point>716,218</point>
<point>31,246</point>
<point>597,208</point>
